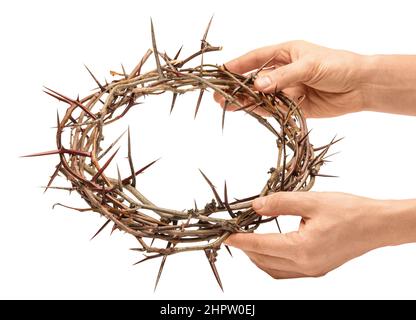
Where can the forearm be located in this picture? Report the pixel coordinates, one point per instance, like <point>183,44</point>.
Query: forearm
<point>397,224</point>
<point>389,83</point>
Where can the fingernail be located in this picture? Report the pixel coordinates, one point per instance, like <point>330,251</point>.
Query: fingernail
<point>259,203</point>
<point>263,82</point>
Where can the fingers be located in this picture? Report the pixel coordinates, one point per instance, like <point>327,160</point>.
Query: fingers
<point>267,244</point>
<point>285,76</point>
<point>256,58</point>
<point>286,203</point>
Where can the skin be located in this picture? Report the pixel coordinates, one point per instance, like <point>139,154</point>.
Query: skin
<point>335,227</point>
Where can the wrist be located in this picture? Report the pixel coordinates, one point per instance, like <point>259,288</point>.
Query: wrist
<point>386,83</point>
<point>369,81</point>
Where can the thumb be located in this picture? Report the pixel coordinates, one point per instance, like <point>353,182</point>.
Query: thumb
<point>286,203</point>
<point>285,76</point>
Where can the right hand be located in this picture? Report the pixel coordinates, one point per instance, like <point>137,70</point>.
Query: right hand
<point>331,80</point>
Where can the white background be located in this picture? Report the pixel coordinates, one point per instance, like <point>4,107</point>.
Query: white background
<point>46,253</point>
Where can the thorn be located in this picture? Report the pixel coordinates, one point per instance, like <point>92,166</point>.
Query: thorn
<point>126,180</point>
<point>133,176</point>
<point>229,250</point>
<point>162,264</point>
<point>278,225</point>
<point>204,38</point>
<point>58,121</point>
<point>175,95</point>
<point>148,258</point>
<point>119,181</point>
<point>325,175</point>
<point>54,175</point>
<point>155,52</point>
<point>124,71</point>
<point>95,79</point>
<point>101,170</point>
<point>227,206</point>
<point>211,260</point>
<point>137,69</point>
<point>65,99</point>
<point>177,53</point>
<point>111,146</point>
<point>212,188</point>
<point>198,103</point>
<point>101,229</point>
<point>46,153</point>
<point>223,115</point>
<point>305,136</point>
<point>113,229</point>
<point>264,65</point>
<point>61,151</point>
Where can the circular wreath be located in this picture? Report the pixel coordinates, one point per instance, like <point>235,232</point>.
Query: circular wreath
<point>118,200</point>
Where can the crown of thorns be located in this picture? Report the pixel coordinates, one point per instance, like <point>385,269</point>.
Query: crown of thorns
<point>84,162</point>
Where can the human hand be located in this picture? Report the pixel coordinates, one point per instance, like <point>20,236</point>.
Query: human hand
<point>331,80</point>
<point>335,228</point>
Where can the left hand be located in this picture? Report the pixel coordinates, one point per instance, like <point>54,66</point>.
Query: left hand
<point>335,228</point>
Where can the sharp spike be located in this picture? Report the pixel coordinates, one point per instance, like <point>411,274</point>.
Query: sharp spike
<point>211,261</point>
<point>95,79</point>
<point>162,264</point>
<point>119,180</point>
<point>325,175</point>
<point>198,103</point>
<point>126,180</point>
<point>63,98</point>
<point>133,176</point>
<point>60,188</point>
<point>137,69</point>
<point>148,258</point>
<point>227,206</point>
<point>111,146</point>
<point>175,95</point>
<point>229,250</point>
<point>76,152</point>
<point>54,175</point>
<point>114,228</point>
<point>124,71</point>
<point>101,229</point>
<point>223,115</point>
<point>101,170</point>
<point>217,197</point>
<point>245,199</point>
<point>57,97</point>
<point>155,52</point>
<point>177,53</point>
<point>264,65</point>
<point>204,38</point>
<point>39,154</point>
<point>305,136</point>
<point>278,225</point>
